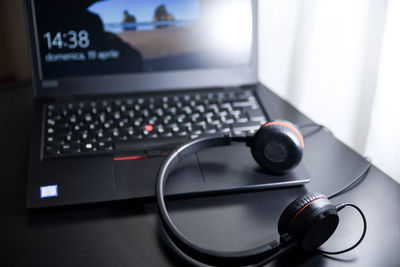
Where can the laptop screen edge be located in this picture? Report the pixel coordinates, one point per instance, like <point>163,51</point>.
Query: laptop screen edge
<point>137,82</point>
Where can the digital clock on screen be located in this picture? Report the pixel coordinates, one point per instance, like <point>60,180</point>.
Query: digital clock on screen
<point>69,39</point>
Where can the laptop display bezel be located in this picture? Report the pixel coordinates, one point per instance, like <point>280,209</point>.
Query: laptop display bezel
<point>136,82</point>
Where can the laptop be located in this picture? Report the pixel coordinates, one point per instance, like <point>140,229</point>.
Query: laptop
<point>118,84</point>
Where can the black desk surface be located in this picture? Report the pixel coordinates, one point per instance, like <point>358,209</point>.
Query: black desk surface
<point>128,233</point>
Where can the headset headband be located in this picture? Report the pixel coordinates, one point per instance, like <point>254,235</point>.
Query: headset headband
<point>198,253</point>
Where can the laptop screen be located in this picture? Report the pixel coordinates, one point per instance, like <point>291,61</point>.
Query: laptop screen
<point>100,37</point>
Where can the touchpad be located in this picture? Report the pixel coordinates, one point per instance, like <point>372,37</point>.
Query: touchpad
<point>138,176</point>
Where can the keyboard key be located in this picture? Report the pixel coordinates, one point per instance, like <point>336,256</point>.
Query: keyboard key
<point>66,148</point>
<point>88,117</point>
<point>243,104</point>
<point>256,115</point>
<point>87,146</point>
<point>243,127</point>
<point>51,122</point>
<point>51,150</point>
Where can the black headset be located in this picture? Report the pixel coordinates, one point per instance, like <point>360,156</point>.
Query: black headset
<point>307,222</point>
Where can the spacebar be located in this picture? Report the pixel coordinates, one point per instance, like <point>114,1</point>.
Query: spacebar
<point>150,144</point>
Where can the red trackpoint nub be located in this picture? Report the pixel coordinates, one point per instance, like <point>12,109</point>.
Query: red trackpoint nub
<point>149,127</point>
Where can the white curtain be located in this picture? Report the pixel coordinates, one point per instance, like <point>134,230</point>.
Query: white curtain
<point>338,62</point>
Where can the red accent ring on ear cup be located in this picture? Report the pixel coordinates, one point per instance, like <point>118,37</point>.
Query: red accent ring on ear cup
<point>294,217</point>
<point>294,209</point>
<point>291,127</point>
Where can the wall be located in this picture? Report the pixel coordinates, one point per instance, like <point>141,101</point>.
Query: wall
<point>323,57</point>
<point>14,63</point>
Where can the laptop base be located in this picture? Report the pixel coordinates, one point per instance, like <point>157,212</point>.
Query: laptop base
<point>207,172</point>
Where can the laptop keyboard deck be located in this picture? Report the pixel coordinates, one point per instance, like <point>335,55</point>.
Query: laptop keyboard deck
<point>147,122</point>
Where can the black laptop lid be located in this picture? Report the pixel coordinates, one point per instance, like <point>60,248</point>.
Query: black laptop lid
<point>92,47</point>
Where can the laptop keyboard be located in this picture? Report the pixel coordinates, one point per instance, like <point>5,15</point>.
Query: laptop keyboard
<point>148,122</point>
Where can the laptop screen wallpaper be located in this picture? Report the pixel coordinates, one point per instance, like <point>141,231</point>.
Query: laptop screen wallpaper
<point>95,37</point>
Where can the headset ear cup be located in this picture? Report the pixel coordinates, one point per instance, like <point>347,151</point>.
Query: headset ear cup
<point>294,207</point>
<point>277,146</point>
<point>311,219</point>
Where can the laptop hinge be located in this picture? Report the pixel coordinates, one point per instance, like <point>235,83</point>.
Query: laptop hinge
<point>230,88</point>
<point>247,86</point>
<point>66,99</point>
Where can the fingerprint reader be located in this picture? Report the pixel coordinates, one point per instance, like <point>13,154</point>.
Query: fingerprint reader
<point>48,191</point>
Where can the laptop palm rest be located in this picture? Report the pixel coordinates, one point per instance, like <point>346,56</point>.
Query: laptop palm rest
<point>221,169</point>
<point>233,168</point>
